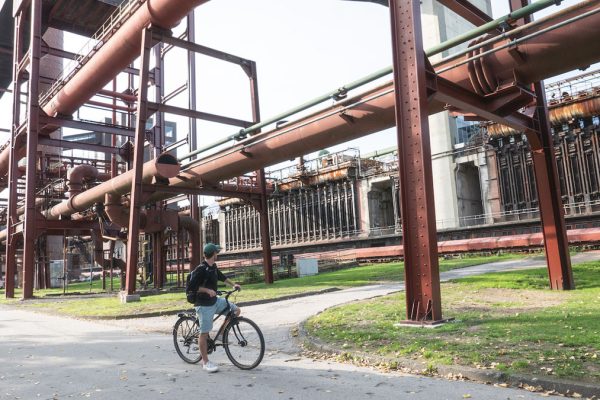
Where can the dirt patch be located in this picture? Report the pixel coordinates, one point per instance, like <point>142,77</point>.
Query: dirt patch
<point>511,300</point>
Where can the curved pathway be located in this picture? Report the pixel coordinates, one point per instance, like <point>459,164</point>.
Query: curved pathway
<point>50,357</point>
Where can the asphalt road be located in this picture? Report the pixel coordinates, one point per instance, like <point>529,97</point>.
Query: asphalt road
<point>50,357</point>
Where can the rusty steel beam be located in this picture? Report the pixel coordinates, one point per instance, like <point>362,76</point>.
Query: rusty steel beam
<point>65,144</point>
<point>263,207</point>
<point>198,48</point>
<point>30,233</point>
<point>515,5</point>
<point>467,101</point>
<point>11,164</point>
<point>423,298</point>
<point>138,160</point>
<point>467,10</point>
<point>248,193</point>
<point>87,125</point>
<point>165,108</point>
<point>554,229</point>
<point>195,212</point>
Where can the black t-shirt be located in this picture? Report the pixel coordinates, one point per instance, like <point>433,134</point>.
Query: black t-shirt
<point>208,276</point>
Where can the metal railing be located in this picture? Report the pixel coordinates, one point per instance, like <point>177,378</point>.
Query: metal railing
<point>314,166</point>
<point>569,90</point>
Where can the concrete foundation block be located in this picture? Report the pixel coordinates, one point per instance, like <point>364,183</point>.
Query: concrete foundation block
<point>128,298</point>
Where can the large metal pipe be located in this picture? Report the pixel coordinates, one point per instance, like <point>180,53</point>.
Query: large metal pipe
<point>115,210</point>
<point>117,53</point>
<point>366,113</point>
<point>113,57</point>
<point>568,47</point>
<point>165,166</point>
<point>373,110</point>
<point>193,228</point>
<point>77,175</point>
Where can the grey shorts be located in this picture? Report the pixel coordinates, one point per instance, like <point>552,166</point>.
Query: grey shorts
<point>207,313</point>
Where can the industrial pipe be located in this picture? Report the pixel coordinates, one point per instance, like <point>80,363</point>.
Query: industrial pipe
<point>117,53</point>
<point>561,48</point>
<point>374,110</point>
<point>366,113</point>
<point>504,35</point>
<point>115,210</point>
<point>163,167</point>
<point>193,229</point>
<point>336,94</point>
<point>5,157</point>
<point>77,175</point>
<point>113,57</point>
<point>551,22</point>
<point>490,26</point>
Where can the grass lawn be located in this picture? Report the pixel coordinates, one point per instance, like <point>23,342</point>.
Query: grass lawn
<point>508,322</point>
<point>175,301</point>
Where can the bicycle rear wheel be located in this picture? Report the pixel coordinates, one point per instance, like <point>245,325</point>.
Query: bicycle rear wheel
<point>185,338</point>
<point>244,343</point>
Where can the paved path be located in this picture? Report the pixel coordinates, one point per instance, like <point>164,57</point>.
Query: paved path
<point>49,357</point>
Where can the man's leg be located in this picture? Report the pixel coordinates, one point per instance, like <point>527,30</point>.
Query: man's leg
<point>203,344</point>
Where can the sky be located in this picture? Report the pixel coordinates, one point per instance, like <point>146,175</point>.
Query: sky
<point>303,49</point>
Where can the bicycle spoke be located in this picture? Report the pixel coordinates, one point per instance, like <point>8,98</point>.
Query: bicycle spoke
<point>244,344</point>
<point>185,338</point>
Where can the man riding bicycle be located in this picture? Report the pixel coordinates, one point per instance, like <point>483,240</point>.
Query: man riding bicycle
<point>207,303</point>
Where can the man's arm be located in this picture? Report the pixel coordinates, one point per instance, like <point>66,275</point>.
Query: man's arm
<point>207,291</point>
<point>233,284</point>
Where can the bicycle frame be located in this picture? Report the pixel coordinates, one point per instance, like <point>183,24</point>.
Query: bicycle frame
<point>229,317</point>
<point>233,335</point>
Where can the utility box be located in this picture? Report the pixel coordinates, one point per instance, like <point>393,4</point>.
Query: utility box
<point>57,273</point>
<point>307,266</point>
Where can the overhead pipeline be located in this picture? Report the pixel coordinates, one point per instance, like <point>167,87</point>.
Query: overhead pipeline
<point>163,167</point>
<point>372,111</point>
<point>117,53</point>
<point>560,48</point>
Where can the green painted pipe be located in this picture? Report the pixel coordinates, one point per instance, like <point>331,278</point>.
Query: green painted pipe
<point>335,94</point>
<point>341,92</point>
<point>480,30</point>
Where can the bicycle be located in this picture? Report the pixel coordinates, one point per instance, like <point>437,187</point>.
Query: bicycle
<point>241,338</point>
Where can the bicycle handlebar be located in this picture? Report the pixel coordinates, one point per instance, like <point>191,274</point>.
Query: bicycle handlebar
<point>227,293</point>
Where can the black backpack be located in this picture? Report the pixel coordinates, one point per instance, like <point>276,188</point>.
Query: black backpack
<point>192,285</point>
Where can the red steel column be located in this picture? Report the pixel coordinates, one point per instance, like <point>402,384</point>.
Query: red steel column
<point>33,111</point>
<point>263,210</point>
<point>421,268</point>
<point>138,160</point>
<point>12,216</point>
<point>547,181</point>
<point>195,211</point>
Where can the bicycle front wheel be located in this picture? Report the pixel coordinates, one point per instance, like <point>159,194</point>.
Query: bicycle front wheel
<point>244,343</point>
<point>185,338</point>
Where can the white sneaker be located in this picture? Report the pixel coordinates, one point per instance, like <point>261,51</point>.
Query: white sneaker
<point>210,367</point>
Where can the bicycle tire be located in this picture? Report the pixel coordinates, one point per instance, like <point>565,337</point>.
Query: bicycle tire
<point>185,339</point>
<point>244,343</point>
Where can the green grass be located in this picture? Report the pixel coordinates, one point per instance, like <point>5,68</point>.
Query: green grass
<point>510,322</point>
<point>173,302</point>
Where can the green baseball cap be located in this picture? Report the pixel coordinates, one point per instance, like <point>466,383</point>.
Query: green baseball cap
<point>211,248</point>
